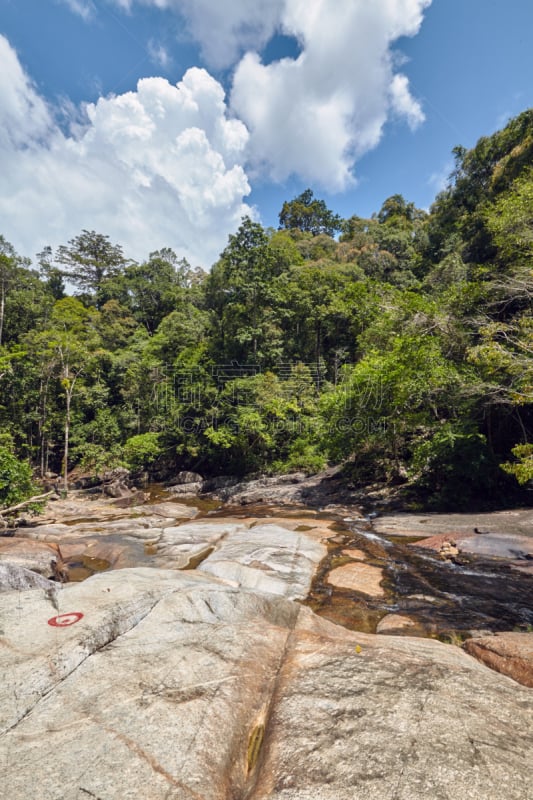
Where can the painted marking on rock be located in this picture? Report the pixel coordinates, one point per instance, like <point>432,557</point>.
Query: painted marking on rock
<point>64,620</point>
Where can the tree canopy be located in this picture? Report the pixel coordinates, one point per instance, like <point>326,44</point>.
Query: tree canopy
<point>402,349</point>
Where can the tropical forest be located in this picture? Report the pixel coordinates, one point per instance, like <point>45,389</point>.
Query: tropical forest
<point>397,346</point>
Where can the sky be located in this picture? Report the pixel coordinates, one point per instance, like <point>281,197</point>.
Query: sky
<point>161,123</point>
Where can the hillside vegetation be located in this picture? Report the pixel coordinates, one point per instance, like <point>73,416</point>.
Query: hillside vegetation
<point>401,345</point>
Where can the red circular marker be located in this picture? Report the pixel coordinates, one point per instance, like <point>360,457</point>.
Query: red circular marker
<point>64,620</point>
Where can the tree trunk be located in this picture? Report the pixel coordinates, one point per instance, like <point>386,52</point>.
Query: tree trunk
<point>68,397</point>
<point>38,498</point>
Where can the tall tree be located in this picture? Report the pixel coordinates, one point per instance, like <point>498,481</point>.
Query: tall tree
<point>307,213</point>
<point>90,258</point>
<point>8,266</point>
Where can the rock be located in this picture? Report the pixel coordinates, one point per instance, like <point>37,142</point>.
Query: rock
<point>394,622</point>
<point>515,522</point>
<point>117,489</point>
<point>186,477</point>
<point>448,549</point>
<point>168,510</point>
<point>220,482</point>
<point>32,555</point>
<point>358,555</point>
<point>359,578</point>
<point>131,499</point>
<point>175,686</point>
<point>266,558</point>
<point>190,489</point>
<point>510,653</point>
<point>117,482</point>
<point>280,489</point>
<point>13,577</point>
<point>117,474</point>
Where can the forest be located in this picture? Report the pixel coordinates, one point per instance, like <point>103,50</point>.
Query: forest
<point>399,346</point>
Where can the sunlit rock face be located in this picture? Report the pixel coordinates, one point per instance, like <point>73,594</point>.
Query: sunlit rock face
<point>189,687</point>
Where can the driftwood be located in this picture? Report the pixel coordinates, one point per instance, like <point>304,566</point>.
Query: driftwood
<point>35,499</point>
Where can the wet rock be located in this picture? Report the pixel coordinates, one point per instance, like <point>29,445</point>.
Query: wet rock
<point>186,489</point>
<point>168,510</point>
<point>186,477</point>
<point>358,555</point>
<point>510,653</point>
<point>394,622</point>
<point>131,698</point>
<point>359,578</point>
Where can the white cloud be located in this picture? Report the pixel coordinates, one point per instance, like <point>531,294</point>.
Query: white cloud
<point>159,54</point>
<point>24,115</point>
<point>84,8</point>
<point>315,115</point>
<point>161,166</point>
<point>224,30</point>
<point>403,102</point>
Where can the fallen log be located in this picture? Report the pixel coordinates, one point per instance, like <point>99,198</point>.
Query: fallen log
<point>35,499</point>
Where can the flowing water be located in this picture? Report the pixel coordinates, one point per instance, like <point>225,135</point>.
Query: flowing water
<point>449,599</point>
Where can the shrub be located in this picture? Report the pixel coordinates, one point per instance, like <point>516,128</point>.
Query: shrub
<point>142,450</point>
<point>15,479</point>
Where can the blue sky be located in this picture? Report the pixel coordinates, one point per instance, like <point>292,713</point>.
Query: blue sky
<point>356,100</point>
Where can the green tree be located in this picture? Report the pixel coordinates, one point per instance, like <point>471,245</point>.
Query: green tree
<point>15,479</point>
<point>241,295</point>
<point>307,213</point>
<point>90,259</point>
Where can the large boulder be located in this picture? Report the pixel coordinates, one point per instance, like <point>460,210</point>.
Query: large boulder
<point>160,684</point>
<point>266,558</point>
<point>509,652</point>
<point>186,477</point>
<point>14,577</point>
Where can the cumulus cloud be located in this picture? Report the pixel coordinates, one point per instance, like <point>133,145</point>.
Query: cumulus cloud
<point>161,166</point>
<point>224,30</point>
<point>315,115</point>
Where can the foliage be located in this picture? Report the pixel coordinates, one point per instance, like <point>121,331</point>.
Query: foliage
<point>90,258</point>
<point>404,347</point>
<point>307,213</point>
<point>522,468</point>
<point>142,450</point>
<point>455,469</point>
<point>15,479</point>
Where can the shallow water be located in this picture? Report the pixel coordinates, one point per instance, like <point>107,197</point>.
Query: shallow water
<point>445,599</point>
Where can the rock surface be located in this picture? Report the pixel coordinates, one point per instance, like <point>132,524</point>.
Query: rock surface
<point>359,578</point>
<point>178,686</point>
<point>394,622</point>
<point>509,653</point>
<point>267,558</point>
<point>13,577</point>
<point>515,522</point>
